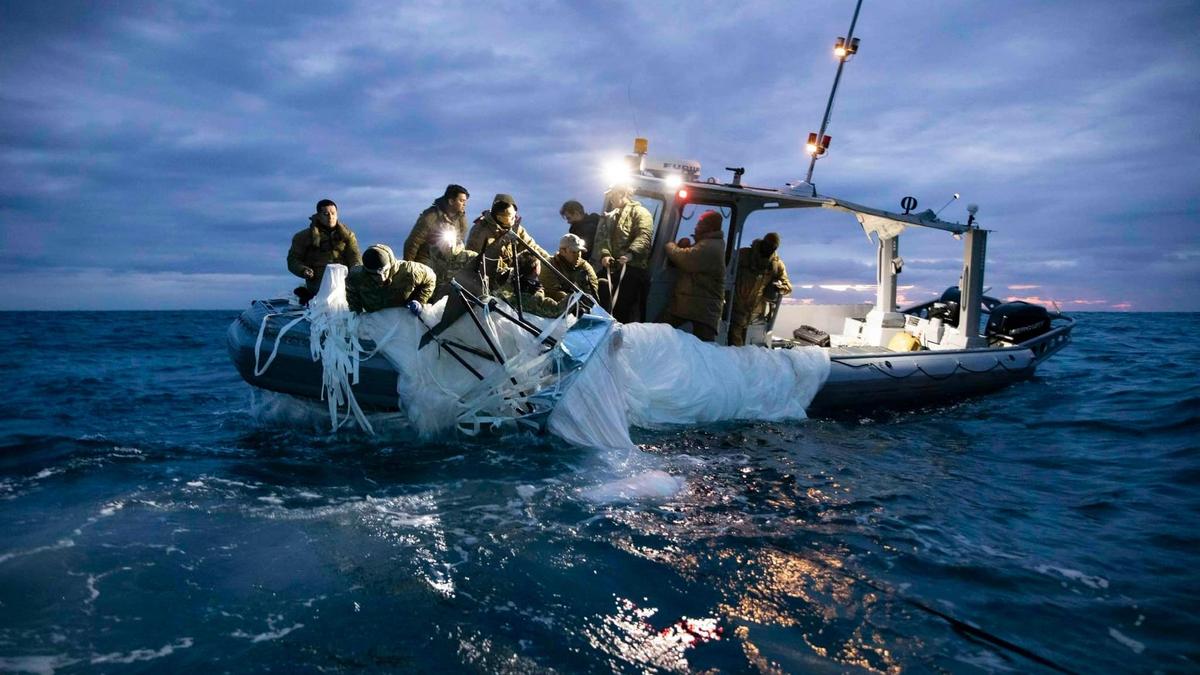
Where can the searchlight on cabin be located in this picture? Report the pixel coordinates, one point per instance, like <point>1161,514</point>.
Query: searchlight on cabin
<point>616,172</point>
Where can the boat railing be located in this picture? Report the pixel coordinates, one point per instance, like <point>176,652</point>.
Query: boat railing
<point>1047,344</point>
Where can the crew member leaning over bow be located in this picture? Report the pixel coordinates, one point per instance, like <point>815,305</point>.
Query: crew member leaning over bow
<point>382,281</point>
<point>326,240</point>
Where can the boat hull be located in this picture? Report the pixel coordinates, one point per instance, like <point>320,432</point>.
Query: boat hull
<point>859,379</point>
<point>294,371</point>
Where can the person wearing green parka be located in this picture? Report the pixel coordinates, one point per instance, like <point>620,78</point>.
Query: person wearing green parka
<point>623,239</point>
<point>382,281</point>
<point>761,278</point>
<point>699,293</point>
<point>326,240</point>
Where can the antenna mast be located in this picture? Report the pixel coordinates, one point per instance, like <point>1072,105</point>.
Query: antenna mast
<point>845,48</point>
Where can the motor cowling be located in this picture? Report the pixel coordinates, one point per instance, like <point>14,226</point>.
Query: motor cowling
<point>1014,322</point>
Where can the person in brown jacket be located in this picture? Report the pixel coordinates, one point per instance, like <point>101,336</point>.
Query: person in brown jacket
<point>624,240</point>
<point>699,293</point>
<point>325,240</point>
<point>447,214</point>
<point>487,238</point>
<point>761,277</point>
<point>570,263</point>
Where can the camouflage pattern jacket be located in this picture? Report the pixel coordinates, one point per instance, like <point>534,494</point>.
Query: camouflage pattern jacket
<point>627,233</point>
<point>756,274</point>
<point>532,302</point>
<point>581,274</point>
<point>447,266</point>
<point>487,239</point>
<point>402,281</point>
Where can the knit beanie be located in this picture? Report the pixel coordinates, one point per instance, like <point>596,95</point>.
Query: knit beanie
<point>770,243</point>
<point>710,221</point>
<point>372,260</point>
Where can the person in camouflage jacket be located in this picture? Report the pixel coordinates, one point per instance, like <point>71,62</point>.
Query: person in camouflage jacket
<point>325,240</point>
<point>533,296</point>
<point>487,238</point>
<point>570,263</point>
<point>624,238</point>
<point>382,281</point>
<point>761,276</point>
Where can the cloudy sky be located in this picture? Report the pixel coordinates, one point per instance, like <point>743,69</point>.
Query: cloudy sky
<point>161,155</point>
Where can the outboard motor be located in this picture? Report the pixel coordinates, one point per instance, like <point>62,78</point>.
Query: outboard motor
<point>946,308</point>
<point>1014,322</point>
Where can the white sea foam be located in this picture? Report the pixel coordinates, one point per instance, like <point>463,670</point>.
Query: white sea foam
<point>648,485</point>
<point>39,665</point>
<point>142,654</point>
<point>61,543</point>
<point>1134,645</point>
<point>1096,582</point>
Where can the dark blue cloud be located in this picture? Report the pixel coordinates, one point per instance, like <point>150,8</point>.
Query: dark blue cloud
<point>161,155</point>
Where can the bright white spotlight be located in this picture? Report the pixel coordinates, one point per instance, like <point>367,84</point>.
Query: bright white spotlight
<point>449,238</point>
<point>673,181</point>
<point>616,172</point>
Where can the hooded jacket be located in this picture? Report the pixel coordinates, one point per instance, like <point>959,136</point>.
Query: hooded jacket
<point>699,293</point>
<point>314,247</point>
<point>429,226</point>
<point>627,233</point>
<point>402,281</point>
<point>756,273</point>
<point>486,239</point>
<point>581,274</point>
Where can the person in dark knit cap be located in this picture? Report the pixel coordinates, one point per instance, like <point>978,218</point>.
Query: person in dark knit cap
<point>761,278</point>
<point>699,293</point>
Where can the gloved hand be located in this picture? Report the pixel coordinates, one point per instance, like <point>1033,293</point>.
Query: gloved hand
<point>414,307</point>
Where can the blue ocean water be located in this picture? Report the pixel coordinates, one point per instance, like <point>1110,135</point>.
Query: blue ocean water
<point>155,518</point>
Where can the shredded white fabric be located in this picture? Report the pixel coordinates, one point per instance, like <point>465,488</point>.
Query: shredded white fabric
<point>655,376</point>
<point>333,340</point>
<point>648,375</point>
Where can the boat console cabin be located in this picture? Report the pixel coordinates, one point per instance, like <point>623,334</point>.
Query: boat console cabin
<point>674,194</point>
